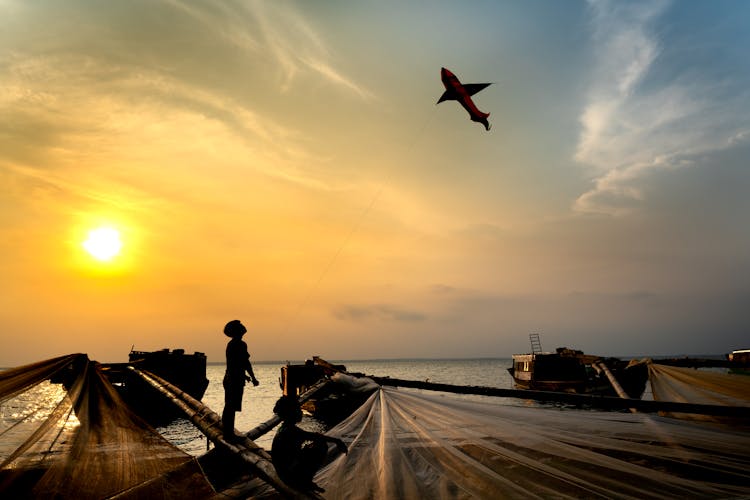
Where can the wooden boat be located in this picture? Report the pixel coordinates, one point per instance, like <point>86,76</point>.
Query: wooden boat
<point>739,361</point>
<point>569,370</point>
<point>741,356</point>
<point>335,401</point>
<point>185,371</point>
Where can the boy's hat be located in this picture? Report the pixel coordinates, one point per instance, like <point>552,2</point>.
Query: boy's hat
<point>234,329</point>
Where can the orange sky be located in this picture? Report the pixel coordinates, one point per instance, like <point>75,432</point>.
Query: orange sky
<point>285,164</point>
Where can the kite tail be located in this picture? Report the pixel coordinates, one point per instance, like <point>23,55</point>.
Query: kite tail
<point>482,118</point>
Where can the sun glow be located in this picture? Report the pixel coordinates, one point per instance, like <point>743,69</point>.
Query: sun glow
<point>103,243</point>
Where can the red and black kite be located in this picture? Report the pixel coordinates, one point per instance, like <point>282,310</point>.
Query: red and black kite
<point>455,90</point>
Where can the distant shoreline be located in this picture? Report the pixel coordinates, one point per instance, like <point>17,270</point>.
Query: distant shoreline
<point>493,358</point>
<point>373,360</point>
<point>490,358</point>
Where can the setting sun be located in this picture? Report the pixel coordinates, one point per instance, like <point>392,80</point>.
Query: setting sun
<point>103,243</point>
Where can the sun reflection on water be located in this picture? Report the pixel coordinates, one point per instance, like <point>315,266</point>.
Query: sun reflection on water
<point>25,413</point>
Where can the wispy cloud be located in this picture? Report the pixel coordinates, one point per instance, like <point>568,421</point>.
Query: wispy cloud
<point>380,312</point>
<point>298,47</point>
<point>105,82</point>
<point>632,126</point>
<point>333,76</point>
<point>277,32</point>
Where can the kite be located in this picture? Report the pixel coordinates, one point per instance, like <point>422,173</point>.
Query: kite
<point>456,91</point>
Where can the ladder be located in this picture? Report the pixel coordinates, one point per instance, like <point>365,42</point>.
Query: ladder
<point>536,344</point>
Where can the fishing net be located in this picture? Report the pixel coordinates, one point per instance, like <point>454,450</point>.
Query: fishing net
<point>405,444</point>
<point>65,433</point>
<point>687,385</point>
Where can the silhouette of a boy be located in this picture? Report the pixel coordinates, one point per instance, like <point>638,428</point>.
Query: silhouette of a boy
<point>298,454</point>
<point>238,363</point>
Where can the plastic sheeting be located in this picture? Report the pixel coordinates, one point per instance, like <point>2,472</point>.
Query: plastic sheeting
<point>688,385</point>
<point>405,444</point>
<point>77,439</point>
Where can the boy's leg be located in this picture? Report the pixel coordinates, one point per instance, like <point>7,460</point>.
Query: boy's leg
<point>232,404</point>
<point>227,420</point>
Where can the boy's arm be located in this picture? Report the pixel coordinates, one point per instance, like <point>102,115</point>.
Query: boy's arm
<point>317,435</point>
<point>249,370</point>
<point>339,444</point>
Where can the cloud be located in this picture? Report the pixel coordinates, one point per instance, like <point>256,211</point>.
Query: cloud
<point>297,47</point>
<point>442,289</point>
<point>377,312</point>
<point>642,296</point>
<point>634,122</point>
<point>333,76</point>
<point>98,78</point>
<point>277,32</point>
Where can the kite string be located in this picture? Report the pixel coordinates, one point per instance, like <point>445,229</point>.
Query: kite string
<point>358,224</point>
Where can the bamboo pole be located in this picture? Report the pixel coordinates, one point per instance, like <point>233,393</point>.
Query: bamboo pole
<point>209,423</point>
<point>272,422</point>
<point>687,362</point>
<point>325,364</point>
<point>607,402</point>
<point>615,384</point>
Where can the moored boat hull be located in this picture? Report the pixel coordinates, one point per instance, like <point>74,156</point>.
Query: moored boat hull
<point>567,370</point>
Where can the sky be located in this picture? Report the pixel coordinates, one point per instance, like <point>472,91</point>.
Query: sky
<point>286,164</point>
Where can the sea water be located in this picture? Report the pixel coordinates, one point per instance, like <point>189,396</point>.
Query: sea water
<point>258,402</point>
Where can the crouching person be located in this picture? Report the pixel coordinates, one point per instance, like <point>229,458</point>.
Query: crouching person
<point>298,454</point>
